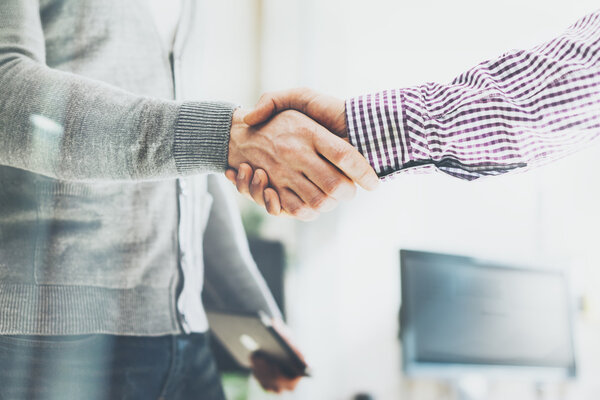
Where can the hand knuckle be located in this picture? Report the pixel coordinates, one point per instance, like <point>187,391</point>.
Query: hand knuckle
<point>255,185</point>
<point>287,151</point>
<point>333,183</point>
<point>317,200</point>
<point>364,175</point>
<point>294,209</point>
<point>304,130</point>
<point>340,154</point>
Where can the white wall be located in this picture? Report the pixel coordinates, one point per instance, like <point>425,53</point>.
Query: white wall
<point>344,285</point>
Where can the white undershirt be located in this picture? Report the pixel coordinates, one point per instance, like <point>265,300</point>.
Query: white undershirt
<point>166,15</point>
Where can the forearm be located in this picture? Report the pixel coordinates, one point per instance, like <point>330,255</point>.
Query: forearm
<point>72,128</point>
<point>232,279</point>
<point>520,110</point>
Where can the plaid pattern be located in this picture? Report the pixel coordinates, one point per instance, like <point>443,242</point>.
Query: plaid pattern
<point>518,111</point>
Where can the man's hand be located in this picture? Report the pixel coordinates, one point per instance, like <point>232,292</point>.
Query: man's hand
<point>326,110</point>
<point>270,375</point>
<point>309,168</point>
<point>269,372</point>
<point>255,186</point>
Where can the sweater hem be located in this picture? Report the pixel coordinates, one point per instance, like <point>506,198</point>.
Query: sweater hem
<point>27,309</point>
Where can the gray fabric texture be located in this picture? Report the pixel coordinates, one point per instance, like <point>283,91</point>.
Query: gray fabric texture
<point>91,147</point>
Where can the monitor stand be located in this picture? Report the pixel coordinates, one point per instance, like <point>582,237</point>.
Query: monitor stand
<point>471,387</point>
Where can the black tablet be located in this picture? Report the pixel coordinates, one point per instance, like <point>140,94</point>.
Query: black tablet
<point>244,334</point>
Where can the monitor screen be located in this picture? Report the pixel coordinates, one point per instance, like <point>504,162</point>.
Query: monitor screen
<point>461,313</point>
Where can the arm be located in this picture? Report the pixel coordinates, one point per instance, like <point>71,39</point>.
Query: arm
<point>68,127</point>
<point>520,110</point>
<point>232,278</point>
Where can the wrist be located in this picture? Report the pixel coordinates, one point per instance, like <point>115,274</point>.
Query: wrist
<point>200,137</point>
<point>238,130</point>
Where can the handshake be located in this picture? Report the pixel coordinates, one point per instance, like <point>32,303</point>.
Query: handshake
<point>292,156</point>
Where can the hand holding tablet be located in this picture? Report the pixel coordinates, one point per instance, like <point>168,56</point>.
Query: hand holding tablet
<point>262,344</point>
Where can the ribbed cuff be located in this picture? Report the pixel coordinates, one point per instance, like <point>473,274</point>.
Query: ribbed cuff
<point>202,137</point>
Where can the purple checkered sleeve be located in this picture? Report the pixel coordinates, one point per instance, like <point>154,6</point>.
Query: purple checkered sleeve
<point>524,109</point>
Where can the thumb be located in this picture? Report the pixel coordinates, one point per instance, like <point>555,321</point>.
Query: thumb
<point>262,111</point>
<point>274,102</point>
<point>346,158</point>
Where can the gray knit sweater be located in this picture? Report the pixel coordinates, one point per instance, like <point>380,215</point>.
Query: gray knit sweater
<point>90,154</point>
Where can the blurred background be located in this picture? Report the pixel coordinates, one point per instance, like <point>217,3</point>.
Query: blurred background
<point>340,275</point>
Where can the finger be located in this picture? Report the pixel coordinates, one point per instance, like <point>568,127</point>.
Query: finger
<point>243,179</point>
<point>261,112</point>
<point>310,194</point>
<point>270,375</point>
<point>295,207</point>
<point>327,110</point>
<point>231,175</point>
<point>282,382</point>
<point>259,183</point>
<point>263,372</point>
<point>331,181</point>
<point>344,156</point>
<point>290,384</point>
<point>272,202</point>
<point>274,102</point>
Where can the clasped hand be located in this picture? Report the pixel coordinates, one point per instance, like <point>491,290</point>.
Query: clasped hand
<point>291,155</point>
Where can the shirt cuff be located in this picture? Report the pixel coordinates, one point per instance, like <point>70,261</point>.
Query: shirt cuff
<point>202,137</point>
<point>389,129</point>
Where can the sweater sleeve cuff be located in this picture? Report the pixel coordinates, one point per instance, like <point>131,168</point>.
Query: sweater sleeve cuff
<point>389,129</point>
<point>202,137</point>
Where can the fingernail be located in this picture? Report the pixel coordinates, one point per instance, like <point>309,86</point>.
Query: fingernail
<point>345,192</point>
<point>372,182</point>
<point>328,205</point>
<point>256,179</point>
<point>241,174</point>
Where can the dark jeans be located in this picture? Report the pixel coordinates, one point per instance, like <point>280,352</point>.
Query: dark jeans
<point>94,367</point>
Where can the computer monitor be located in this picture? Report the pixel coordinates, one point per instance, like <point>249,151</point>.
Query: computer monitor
<point>461,316</point>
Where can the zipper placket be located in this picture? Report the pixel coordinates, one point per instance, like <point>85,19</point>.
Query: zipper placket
<point>181,36</point>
